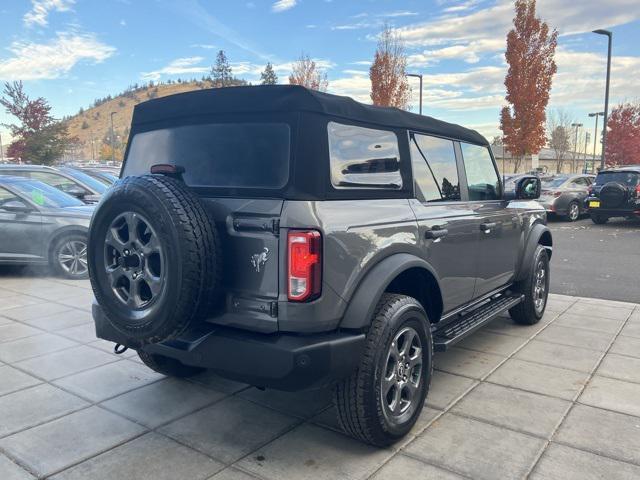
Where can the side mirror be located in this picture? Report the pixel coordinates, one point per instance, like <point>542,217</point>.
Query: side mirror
<point>77,192</point>
<point>526,188</point>
<point>15,206</point>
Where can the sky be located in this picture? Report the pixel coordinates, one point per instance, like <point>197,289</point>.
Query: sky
<point>74,51</point>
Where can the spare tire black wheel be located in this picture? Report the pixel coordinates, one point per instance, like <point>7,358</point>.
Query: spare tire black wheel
<point>613,195</point>
<point>154,258</point>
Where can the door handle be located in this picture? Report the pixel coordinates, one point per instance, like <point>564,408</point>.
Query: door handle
<point>436,233</point>
<point>486,227</point>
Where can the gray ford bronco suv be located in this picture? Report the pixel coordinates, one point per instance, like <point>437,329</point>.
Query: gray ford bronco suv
<point>292,239</point>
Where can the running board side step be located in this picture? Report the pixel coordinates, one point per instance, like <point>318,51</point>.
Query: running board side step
<point>471,320</point>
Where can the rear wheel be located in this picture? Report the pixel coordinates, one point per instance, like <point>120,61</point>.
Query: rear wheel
<point>599,219</point>
<point>168,366</point>
<point>573,211</point>
<point>382,400</point>
<point>535,289</point>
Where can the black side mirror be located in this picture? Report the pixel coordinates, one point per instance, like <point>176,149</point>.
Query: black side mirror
<point>16,206</point>
<point>526,188</point>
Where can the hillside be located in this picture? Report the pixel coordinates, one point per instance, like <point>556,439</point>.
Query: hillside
<point>93,124</point>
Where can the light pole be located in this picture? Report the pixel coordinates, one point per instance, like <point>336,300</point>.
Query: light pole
<point>595,135</point>
<point>113,139</point>
<point>575,145</point>
<point>606,92</point>
<point>418,75</point>
<point>1,151</point>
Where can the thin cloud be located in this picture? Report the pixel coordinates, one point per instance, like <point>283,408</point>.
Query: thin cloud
<point>282,5</point>
<point>35,61</point>
<point>41,9</point>
<point>179,66</point>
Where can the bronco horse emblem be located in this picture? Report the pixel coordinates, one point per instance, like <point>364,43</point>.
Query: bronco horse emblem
<point>259,259</point>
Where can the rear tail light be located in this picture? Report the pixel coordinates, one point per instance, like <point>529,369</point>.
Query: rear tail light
<point>638,191</point>
<point>556,194</point>
<point>304,274</point>
<point>590,190</point>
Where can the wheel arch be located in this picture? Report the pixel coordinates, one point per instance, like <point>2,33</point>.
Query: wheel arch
<point>63,232</point>
<point>538,235</point>
<point>400,273</point>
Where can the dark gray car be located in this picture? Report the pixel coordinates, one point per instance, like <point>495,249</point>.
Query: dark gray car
<point>41,225</point>
<point>292,239</point>
<point>564,195</point>
<point>73,182</point>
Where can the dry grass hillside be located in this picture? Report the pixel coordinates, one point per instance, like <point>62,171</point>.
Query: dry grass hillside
<point>92,126</point>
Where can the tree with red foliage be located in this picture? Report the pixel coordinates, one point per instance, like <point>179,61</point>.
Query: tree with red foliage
<point>530,54</point>
<point>623,135</point>
<point>38,137</point>
<point>389,84</point>
<point>306,73</point>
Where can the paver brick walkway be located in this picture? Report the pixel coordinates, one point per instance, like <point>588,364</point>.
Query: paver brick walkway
<point>558,400</point>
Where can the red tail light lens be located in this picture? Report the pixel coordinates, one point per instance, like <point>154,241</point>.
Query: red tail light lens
<point>638,191</point>
<point>305,265</point>
<point>556,193</point>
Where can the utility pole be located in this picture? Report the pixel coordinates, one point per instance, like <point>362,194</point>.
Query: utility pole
<point>606,93</point>
<point>1,151</point>
<point>587,137</point>
<point>113,141</point>
<point>418,75</point>
<point>595,138</point>
<point>575,146</point>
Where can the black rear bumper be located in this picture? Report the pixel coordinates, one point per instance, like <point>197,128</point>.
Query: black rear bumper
<point>280,361</point>
<point>615,212</point>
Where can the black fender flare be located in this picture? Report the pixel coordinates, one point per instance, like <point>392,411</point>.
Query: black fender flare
<point>362,304</point>
<point>539,234</point>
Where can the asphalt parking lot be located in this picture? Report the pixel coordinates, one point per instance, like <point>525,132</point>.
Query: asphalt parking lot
<point>555,400</point>
<point>597,261</point>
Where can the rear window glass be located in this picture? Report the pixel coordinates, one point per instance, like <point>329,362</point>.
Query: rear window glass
<point>363,157</point>
<point>554,182</point>
<point>629,179</point>
<point>231,155</point>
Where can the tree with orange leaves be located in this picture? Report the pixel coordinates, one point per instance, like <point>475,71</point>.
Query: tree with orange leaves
<point>306,73</point>
<point>389,84</point>
<point>530,54</point>
<point>623,135</point>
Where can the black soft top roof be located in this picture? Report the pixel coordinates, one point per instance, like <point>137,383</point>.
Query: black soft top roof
<point>291,98</point>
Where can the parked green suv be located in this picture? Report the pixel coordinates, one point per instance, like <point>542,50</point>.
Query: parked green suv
<point>293,239</point>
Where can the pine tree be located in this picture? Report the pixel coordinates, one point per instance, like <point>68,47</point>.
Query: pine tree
<point>221,71</point>
<point>268,76</point>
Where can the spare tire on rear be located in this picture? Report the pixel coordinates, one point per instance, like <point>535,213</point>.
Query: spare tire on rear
<point>613,195</point>
<point>154,258</point>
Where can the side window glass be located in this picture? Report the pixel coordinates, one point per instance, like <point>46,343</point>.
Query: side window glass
<point>58,181</point>
<point>482,178</point>
<point>7,196</point>
<point>363,157</point>
<point>434,169</point>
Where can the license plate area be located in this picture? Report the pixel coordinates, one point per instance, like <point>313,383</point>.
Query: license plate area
<point>594,204</point>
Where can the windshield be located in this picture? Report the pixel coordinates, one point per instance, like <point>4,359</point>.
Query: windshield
<point>45,195</point>
<point>86,179</point>
<point>554,182</point>
<point>629,179</point>
<point>243,155</point>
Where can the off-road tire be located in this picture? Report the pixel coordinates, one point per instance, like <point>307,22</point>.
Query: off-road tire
<point>599,219</point>
<point>168,366</point>
<point>357,398</point>
<point>568,216</point>
<point>526,313</point>
<point>192,258</point>
<point>54,252</point>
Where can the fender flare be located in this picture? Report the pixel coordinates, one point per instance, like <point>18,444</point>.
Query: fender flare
<point>533,240</point>
<point>360,309</point>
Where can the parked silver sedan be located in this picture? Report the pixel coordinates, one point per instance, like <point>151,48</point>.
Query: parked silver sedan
<point>40,224</point>
<point>564,195</point>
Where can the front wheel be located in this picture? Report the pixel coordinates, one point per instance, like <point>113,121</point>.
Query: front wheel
<point>382,400</point>
<point>573,211</point>
<point>68,257</point>
<point>535,288</point>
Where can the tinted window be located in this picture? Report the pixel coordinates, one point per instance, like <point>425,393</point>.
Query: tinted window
<point>629,179</point>
<point>58,181</point>
<point>89,181</point>
<point>7,196</point>
<point>242,155</point>
<point>434,169</point>
<point>45,195</point>
<point>482,177</point>
<point>363,157</point>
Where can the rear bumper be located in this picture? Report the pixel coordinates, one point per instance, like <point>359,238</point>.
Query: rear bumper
<point>615,212</point>
<point>281,361</point>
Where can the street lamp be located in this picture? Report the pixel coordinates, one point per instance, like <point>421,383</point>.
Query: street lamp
<point>113,139</point>
<point>418,75</point>
<point>595,134</point>
<point>606,92</point>
<point>575,154</point>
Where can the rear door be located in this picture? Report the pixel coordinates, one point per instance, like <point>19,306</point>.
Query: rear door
<point>20,233</point>
<point>499,224</point>
<point>448,228</point>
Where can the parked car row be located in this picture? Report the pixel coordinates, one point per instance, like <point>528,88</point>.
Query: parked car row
<point>45,213</point>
